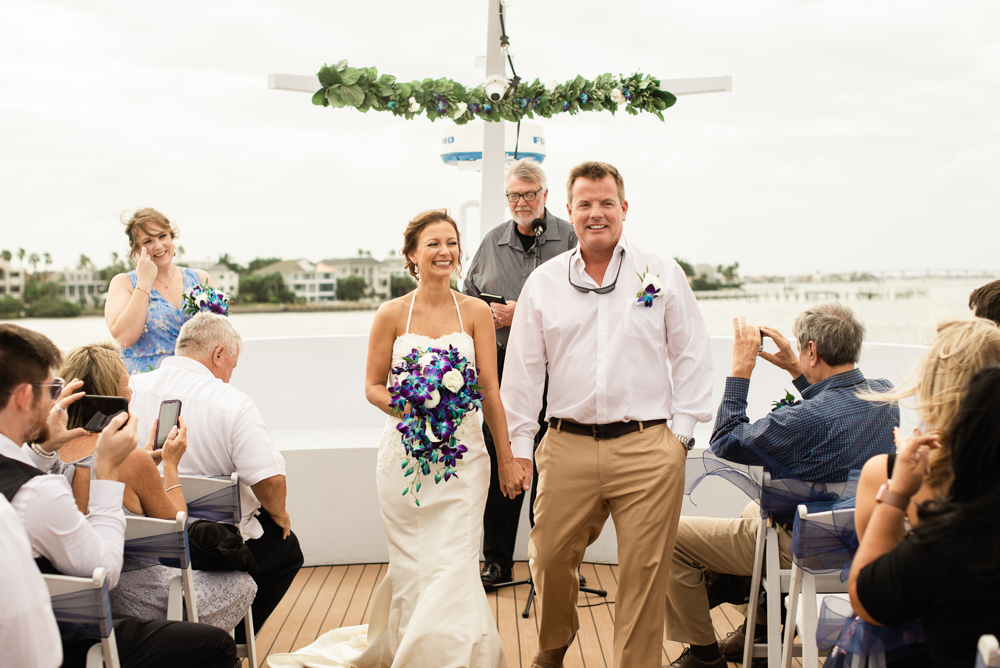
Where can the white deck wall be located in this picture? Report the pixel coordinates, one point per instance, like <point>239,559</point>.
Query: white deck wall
<point>311,393</point>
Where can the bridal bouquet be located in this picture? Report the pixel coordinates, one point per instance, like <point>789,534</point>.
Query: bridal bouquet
<point>203,298</point>
<point>440,387</point>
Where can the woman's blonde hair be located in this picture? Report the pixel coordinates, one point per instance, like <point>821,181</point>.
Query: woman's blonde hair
<point>100,367</point>
<point>963,346</point>
<point>147,221</point>
<point>412,235</point>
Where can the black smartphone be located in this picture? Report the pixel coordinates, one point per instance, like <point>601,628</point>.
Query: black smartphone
<point>96,411</point>
<point>763,336</point>
<point>492,299</point>
<point>170,411</point>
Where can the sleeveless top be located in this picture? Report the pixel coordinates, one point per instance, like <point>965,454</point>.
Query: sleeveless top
<point>163,325</point>
<point>391,448</point>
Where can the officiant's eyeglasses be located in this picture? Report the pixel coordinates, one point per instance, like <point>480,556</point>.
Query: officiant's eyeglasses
<point>601,291</point>
<point>528,197</point>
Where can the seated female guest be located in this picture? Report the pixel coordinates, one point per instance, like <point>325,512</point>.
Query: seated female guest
<point>947,572</point>
<point>142,592</point>
<point>145,308</point>
<point>963,346</point>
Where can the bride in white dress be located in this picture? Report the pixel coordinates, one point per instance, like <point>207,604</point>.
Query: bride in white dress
<point>430,610</point>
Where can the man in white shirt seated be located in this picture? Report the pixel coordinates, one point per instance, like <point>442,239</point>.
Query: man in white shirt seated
<point>227,434</point>
<point>62,539</point>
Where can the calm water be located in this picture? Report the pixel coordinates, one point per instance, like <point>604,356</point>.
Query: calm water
<point>888,319</point>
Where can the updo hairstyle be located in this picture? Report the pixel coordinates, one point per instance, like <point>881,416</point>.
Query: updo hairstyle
<point>412,234</point>
<point>148,221</point>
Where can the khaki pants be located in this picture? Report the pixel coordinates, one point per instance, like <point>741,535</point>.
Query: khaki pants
<point>723,545</point>
<point>639,480</point>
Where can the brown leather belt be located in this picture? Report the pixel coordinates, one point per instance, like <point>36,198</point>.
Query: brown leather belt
<point>602,431</point>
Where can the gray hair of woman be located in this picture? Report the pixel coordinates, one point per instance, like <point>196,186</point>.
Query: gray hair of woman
<point>203,333</point>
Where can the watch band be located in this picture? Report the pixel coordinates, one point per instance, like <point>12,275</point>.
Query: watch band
<point>686,441</point>
<point>884,495</point>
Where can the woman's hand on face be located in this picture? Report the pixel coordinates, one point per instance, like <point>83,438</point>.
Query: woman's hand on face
<point>145,271</point>
<point>912,462</point>
<point>511,476</point>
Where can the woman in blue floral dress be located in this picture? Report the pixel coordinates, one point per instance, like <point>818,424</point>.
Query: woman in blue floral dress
<point>145,308</point>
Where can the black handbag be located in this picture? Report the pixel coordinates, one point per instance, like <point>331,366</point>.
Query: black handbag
<point>219,547</point>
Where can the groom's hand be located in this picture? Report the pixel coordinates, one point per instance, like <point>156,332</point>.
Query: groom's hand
<point>528,472</point>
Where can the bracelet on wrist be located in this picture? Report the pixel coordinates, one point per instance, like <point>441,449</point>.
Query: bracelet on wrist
<point>170,488</point>
<point>148,293</point>
<point>42,453</point>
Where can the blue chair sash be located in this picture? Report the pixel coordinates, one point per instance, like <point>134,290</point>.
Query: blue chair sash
<point>165,550</point>
<point>846,635</point>
<point>822,548</point>
<point>220,506</point>
<point>85,612</point>
<point>780,498</point>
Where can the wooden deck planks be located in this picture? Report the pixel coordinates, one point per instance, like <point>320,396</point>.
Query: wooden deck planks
<point>327,597</point>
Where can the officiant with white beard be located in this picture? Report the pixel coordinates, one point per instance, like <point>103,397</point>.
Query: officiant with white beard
<point>599,318</point>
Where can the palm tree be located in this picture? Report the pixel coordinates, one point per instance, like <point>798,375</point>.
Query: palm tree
<point>6,255</point>
<point>33,260</point>
<point>20,256</point>
<point>84,263</point>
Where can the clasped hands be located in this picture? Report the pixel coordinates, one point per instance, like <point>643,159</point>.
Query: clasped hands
<point>514,475</point>
<point>746,342</point>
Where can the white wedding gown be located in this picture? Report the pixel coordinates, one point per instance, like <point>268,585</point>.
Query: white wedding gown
<point>430,610</point>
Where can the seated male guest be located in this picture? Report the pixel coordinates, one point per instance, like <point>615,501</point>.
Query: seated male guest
<point>819,439</point>
<point>985,301</point>
<point>227,434</point>
<point>62,539</point>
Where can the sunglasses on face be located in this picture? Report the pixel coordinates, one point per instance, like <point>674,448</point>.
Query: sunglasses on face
<point>55,387</point>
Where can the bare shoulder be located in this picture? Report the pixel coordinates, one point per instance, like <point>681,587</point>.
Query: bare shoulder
<point>392,313</point>
<point>874,471</point>
<point>121,281</point>
<point>473,306</point>
<point>202,275</point>
<point>138,470</point>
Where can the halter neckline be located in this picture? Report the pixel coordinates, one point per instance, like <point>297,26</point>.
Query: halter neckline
<point>457,310</point>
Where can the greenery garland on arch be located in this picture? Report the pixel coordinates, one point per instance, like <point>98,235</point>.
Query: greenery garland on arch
<point>364,89</point>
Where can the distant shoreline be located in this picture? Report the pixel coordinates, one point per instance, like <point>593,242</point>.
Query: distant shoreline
<point>281,308</point>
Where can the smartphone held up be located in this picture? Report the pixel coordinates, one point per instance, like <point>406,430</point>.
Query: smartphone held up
<point>97,411</point>
<point>170,412</point>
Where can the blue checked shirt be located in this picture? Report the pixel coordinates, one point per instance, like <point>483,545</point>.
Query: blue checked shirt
<point>819,438</point>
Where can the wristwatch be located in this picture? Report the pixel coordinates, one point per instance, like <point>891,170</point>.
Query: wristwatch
<point>686,441</point>
<point>896,500</point>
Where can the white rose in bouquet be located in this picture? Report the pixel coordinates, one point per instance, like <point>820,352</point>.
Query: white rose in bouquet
<point>453,380</point>
<point>434,400</point>
<point>201,299</point>
<point>425,359</point>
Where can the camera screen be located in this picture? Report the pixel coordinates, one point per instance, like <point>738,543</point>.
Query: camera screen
<point>97,411</point>
<point>169,410</point>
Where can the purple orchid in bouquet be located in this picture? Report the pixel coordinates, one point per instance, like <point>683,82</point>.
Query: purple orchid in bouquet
<point>203,298</point>
<point>440,387</point>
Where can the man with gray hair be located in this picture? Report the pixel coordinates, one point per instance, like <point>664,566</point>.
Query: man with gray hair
<point>818,439</point>
<point>507,255</point>
<point>227,434</point>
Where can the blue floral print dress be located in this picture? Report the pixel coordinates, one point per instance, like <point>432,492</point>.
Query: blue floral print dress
<point>163,325</point>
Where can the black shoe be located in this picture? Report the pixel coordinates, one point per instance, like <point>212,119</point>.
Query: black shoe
<point>583,580</point>
<point>689,660</point>
<point>732,646</point>
<point>493,574</point>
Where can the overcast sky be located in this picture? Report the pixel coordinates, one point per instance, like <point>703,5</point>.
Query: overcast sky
<point>859,135</point>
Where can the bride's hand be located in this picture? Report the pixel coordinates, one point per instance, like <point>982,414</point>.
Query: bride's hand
<point>511,475</point>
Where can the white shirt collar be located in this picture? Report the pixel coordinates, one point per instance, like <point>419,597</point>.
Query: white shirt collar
<point>12,450</point>
<point>187,364</point>
<point>580,268</point>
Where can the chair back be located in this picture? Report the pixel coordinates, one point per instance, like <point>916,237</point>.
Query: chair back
<point>781,497</point>
<point>81,605</point>
<point>215,499</point>
<point>151,542</point>
<point>988,652</point>
<point>824,541</point>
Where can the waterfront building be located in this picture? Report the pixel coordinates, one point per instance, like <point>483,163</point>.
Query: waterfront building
<point>224,278</point>
<point>80,286</point>
<point>11,280</point>
<point>313,283</point>
<point>377,273</point>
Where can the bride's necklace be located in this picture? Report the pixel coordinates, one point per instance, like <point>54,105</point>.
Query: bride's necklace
<point>166,286</point>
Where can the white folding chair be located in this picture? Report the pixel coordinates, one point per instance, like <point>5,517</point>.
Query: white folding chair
<point>988,652</point>
<point>218,500</point>
<point>159,541</point>
<point>215,499</point>
<point>807,587</point>
<point>84,602</point>
<point>775,581</point>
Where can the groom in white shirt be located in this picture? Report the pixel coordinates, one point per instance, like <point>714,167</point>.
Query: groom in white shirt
<point>603,335</point>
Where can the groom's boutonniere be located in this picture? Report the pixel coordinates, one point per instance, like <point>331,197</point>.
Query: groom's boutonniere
<point>650,290</point>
